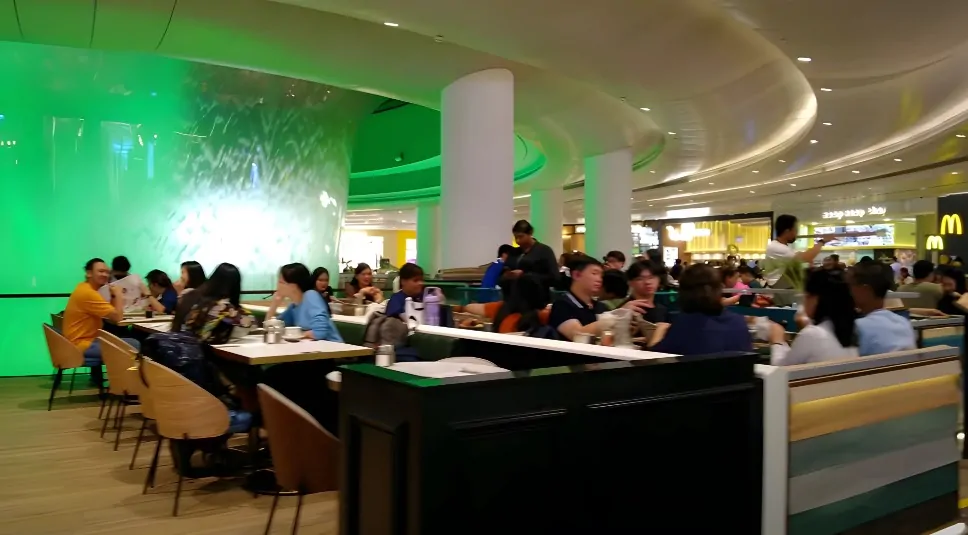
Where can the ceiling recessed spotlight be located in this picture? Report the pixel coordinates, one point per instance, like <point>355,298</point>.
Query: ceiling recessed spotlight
<point>671,133</point>
<point>856,172</point>
<point>399,211</point>
<point>826,89</point>
<point>678,190</point>
<point>897,159</point>
<point>755,171</point>
<point>645,109</point>
<point>818,195</point>
<point>828,124</point>
<point>751,191</point>
<point>803,59</point>
<point>782,161</point>
<point>652,171</point>
<point>632,198</point>
<point>650,205</point>
<point>793,185</point>
<point>959,135</point>
<point>391,24</point>
<point>954,172</point>
<point>404,220</point>
<point>711,183</point>
<point>814,142</point>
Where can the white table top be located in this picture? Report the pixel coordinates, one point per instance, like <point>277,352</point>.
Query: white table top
<point>614,353</point>
<point>252,350</point>
<point>141,319</point>
<point>154,327</point>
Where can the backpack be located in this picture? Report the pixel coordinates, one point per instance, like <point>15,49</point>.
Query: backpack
<point>385,330</point>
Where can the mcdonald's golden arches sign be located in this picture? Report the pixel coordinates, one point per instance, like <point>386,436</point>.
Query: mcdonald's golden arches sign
<point>951,224</point>
<point>934,243</point>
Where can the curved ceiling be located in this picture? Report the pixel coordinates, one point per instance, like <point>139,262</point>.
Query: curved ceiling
<point>730,107</point>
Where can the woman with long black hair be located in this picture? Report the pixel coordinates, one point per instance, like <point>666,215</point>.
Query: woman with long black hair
<point>831,334</point>
<point>527,308</point>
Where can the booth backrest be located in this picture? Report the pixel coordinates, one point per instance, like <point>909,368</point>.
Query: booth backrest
<point>872,444</point>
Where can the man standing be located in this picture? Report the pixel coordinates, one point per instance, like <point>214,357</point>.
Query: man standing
<point>85,312</point>
<point>780,252</point>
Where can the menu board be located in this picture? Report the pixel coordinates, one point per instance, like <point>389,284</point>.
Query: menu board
<point>883,238</point>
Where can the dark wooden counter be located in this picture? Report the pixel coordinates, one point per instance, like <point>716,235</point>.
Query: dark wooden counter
<point>657,446</point>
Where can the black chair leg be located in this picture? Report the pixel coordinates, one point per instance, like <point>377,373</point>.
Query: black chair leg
<point>71,391</point>
<point>104,400</point>
<point>53,390</point>
<point>295,521</point>
<point>272,512</point>
<point>120,424</point>
<point>150,477</point>
<point>108,415</point>
<point>174,511</point>
<point>141,434</point>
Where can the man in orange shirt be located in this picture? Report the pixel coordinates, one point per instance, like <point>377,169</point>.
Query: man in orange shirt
<point>85,312</point>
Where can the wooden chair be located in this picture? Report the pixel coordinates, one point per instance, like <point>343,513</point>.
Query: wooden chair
<point>122,377</point>
<point>147,414</point>
<point>183,410</point>
<point>305,456</point>
<point>57,320</point>
<point>64,356</point>
<point>116,341</point>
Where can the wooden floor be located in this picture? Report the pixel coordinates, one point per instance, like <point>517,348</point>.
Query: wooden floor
<point>58,477</point>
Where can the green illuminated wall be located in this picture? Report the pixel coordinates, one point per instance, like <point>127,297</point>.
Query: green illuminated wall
<point>161,160</point>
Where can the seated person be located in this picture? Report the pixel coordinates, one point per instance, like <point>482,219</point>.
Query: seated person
<point>704,326</point>
<point>120,268</point>
<point>307,309</point>
<point>412,286</point>
<point>614,260</point>
<point>904,276</point>
<point>954,286</point>
<point>615,288</point>
<point>930,291</point>
<point>830,334</point>
<point>730,280</point>
<point>192,276</point>
<point>644,280</point>
<point>362,285</point>
<point>879,330</point>
<point>85,314</point>
<point>748,278</point>
<point>496,269</point>
<point>320,278</point>
<point>577,311</point>
<point>162,296</point>
<point>213,309</point>
<point>526,310</point>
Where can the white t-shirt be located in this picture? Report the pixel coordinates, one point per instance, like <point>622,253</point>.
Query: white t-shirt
<point>814,343</point>
<point>777,251</point>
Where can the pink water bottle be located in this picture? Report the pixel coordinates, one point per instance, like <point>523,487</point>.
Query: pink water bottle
<point>431,301</point>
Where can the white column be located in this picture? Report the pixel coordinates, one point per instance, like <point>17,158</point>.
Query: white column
<point>547,216</point>
<point>477,167</point>
<point>608,205</point>
<point>428,237</point>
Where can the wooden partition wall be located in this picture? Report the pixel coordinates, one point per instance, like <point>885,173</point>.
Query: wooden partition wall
<point>872,445</point>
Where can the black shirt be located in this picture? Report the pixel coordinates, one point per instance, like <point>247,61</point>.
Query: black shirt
<point>657,314</point>
<point>541,261</point>
<point>568,307</point>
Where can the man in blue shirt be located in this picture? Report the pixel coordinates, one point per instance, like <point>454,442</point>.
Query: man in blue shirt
<point>879,330</point>
<point>496,269</point>
<point>411,285</point>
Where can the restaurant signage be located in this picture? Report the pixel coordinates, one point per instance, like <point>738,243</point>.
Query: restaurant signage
<point>686,232</point>
<point>934,243</point>
<point>856,212</point>
<point>951,224</point>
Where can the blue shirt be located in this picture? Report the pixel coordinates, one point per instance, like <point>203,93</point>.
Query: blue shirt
<point>169,300</point>
<point>397,304</point>
<point>312,315</point>
<point>883,331</point>
<point>493,274</point>
<point>694,333</point>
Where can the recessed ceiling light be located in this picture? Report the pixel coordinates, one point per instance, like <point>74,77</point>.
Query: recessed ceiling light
<point>803,59</point>
<point>645,109</point>
<point>818,195</point>
<point>652,171</point>
<point>897,159</point>
<point>826,89</point>
<point>828,124</point>
<point>782,161</point>
<point>856,172</point>
<point>399,211</point>
<point>632,198</point>
<point>391,24</point>
<point>711,183</point>
<point>793,185</point>
<point>959,135</point>
<point>814,142</point>
<point>650,205</point>
<point>678,190</point>
<point>751,191</point>
<point>671,133</point>
<point>954,172</point>
<point>403,220</point>
<point>755,171</point>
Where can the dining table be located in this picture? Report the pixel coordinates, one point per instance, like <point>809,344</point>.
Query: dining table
<point>253,350</point>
